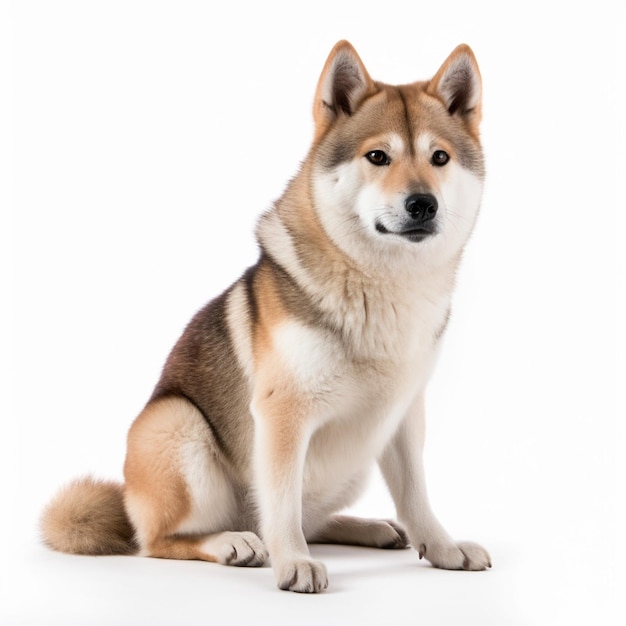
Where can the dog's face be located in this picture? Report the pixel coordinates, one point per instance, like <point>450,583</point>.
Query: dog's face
<point>398,167</point>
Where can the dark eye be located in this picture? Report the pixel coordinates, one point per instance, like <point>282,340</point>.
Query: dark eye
<point>377,157</point>
<point>440,157</point>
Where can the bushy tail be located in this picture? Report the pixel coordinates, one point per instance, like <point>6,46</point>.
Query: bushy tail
<point>88,517</point>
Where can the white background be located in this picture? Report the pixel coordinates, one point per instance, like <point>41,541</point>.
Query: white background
<point>141,140</point>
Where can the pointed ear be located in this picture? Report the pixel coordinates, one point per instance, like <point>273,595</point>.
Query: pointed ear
<point>343,85</point>
<point>458,85</point>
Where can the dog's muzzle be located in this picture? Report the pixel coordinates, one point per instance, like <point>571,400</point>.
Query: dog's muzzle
<point>419,223</point>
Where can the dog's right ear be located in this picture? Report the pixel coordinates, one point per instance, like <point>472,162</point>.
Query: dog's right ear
<point>343,85</point>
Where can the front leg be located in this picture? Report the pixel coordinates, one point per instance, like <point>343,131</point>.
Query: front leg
<point>403,468</point>
<point>282,435</point>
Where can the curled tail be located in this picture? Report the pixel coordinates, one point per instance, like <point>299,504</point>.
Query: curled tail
<point>88,517</point>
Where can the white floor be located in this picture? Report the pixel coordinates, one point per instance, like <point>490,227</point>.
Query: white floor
<point>366,587</point>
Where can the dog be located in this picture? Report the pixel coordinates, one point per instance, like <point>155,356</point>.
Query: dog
<point>284,391</point>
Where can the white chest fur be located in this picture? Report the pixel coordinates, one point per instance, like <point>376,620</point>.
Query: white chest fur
<point>360,384</point>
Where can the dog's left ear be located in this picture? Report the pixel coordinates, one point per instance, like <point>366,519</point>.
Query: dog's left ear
<point>458,85</point>
<point>342,87</point>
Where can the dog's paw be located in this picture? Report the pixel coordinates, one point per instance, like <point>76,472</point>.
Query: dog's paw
<point>389,535</point>
<point>302,576</point>
<point>463,555</point>
<point>242,549</point>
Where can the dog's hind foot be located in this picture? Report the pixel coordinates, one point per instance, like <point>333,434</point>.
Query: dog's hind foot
<point>243,549</point>
<point>372,533</point>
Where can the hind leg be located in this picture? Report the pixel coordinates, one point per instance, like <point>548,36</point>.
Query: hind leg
<point>241,548</point>
<point>178,495</point>
<point>362,532</point>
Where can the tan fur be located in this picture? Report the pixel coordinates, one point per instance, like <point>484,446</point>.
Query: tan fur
<point>156,492</point>
<point>87,517</point>
<point>275,393</point>
<point>306,229</point>
<point>278,396</point>
<point>271,312</point>
<point>282,392</point>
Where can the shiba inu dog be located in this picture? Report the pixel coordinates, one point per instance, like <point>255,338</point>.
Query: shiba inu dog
<point>283,392</point>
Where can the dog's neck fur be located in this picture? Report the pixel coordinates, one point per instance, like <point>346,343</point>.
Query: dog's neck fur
<point>362,300</point>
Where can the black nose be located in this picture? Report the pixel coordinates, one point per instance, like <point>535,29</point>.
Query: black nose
<point>422,207</point>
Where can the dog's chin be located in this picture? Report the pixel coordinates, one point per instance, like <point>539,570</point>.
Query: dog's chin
<point>414,235</point>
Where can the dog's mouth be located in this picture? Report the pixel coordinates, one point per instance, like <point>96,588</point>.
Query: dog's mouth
<point>415,234</point>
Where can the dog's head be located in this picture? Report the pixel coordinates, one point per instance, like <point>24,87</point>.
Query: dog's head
<point>398,167</point>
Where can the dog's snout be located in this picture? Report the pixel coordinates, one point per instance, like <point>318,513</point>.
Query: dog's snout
<point>422,207</point>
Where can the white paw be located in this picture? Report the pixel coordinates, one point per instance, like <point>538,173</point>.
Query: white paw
<point>302,576</point>
<point>463,555</point>
<point>243,549</point>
